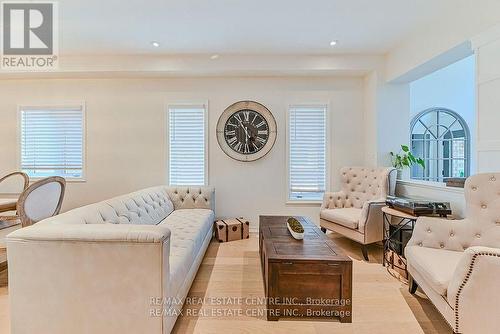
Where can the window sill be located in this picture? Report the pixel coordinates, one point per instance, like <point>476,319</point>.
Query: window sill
<point>436,186</point>
<point>304,202</point>
<point>68,180</point>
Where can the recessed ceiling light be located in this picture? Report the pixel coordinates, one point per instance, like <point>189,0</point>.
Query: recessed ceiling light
<point>155,44</point>
<point>333,43</point>
<point>213,57</point>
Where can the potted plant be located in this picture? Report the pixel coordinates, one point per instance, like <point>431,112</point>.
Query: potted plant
<point>405,159</point>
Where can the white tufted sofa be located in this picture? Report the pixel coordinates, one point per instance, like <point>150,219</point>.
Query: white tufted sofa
<point>355,211</point>
<point>457,263</point>
<point>118,266</point>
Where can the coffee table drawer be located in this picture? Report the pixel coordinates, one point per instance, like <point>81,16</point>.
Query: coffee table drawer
<point>302,282</point>
<point>325,268</point>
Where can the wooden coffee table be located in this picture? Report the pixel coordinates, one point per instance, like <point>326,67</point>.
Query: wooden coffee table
<point>303,278</point>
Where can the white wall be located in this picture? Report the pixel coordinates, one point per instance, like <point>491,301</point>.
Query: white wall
<point>465,20</point>
<point>126,133</point>
<point>440,193</point>
<point>487,48</point>
<point>452,87</point>
<point>386,113</point>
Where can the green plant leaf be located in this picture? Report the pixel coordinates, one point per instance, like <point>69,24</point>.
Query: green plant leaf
<point>405,148</point>
<point>397,161</point>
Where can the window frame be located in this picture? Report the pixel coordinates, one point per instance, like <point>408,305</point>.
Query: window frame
<point>467,141</point>
<point>51,107</point>
<point>166,132</point>
<point>328,136</point>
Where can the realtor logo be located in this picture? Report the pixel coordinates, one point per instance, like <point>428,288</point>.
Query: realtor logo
<point>29,36</point>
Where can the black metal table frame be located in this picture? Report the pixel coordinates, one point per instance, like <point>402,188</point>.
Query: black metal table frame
<point>389,237</point>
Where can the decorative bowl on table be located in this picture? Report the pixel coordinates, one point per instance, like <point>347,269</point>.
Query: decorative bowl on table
<point>295,228</point>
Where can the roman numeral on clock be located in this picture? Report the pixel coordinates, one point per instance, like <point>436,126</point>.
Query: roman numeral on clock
<point>246,116</point>
<point>230,132</point>
<point>261,140</point>
<point>254,118</point>
<point>261,124</point>
<point>237,147</point>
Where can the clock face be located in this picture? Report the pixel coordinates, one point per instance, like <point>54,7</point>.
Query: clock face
<point>246,131</point>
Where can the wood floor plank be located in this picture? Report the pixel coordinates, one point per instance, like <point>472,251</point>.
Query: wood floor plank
<point>381,303</point>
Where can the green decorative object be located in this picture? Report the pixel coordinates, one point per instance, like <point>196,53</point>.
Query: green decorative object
<point>295,228</point>
<point>405,159</point>
<point>295,225</point>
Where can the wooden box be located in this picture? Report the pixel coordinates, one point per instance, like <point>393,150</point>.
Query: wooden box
<point>457,182</point>
<point>303,278</point>
<point>396,263</point>
<point>232,229</point>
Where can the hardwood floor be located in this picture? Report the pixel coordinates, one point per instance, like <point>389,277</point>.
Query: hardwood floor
<point>230,271</point>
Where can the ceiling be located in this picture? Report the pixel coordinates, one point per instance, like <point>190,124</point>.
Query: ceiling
<point>241,26</point>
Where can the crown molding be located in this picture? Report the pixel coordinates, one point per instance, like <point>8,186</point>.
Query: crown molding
<point>201,65</point>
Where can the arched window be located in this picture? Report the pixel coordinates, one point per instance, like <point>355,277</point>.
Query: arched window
<point>441,138</point>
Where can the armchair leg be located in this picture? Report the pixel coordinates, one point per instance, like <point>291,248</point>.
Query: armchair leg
<point>412,285</point>
<point>323,230</point>
<point>364,250</point>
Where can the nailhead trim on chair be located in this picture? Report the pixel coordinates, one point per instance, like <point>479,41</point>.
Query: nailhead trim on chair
<point>467,277</point>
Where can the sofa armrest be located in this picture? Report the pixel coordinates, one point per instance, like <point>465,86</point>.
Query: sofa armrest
<point>441,233</point>
<point>92,233</point>
<point>474,292</point>
<point>369,205</point>
<point>88,274</point>
<point>371,221</point>
<point>334,200</point>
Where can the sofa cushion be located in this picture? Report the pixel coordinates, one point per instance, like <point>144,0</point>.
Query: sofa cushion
<point>189,229</point>
<point>144,207</point>
<point>348,217</point>
<point>435,265</point>
<point>148,206</point>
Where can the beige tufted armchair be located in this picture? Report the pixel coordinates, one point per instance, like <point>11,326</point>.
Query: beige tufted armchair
<point>355,211</point>
<point>457,263</point>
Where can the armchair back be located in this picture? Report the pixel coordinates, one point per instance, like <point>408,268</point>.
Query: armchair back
<point>481,226</point>
<point>482,198</point>
<point>362,184</point>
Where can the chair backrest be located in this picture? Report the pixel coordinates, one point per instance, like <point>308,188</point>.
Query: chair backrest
<point>43,199</point>
<point>482,198</point>
<point>362,184</point>
<point>147,206</point>
<point>481,226</point>
<point>24,176</point>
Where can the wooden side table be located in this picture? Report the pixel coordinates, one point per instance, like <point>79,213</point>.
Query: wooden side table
<point>405,222</point>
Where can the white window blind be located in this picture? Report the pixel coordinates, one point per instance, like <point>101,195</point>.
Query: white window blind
<point>187,147</point>
<point>307,152</point>
<point>52,142</point>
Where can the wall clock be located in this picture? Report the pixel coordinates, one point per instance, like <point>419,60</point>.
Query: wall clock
<point>246,131</point>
